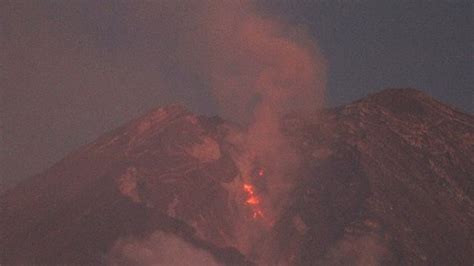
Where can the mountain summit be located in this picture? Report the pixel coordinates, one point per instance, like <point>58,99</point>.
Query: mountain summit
<point>386,180</point>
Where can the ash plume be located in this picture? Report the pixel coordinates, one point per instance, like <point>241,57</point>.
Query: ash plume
<point>260,69</point>
<point>259,64</point>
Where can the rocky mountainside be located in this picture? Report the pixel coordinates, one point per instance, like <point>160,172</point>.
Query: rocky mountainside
<point>387,180</point>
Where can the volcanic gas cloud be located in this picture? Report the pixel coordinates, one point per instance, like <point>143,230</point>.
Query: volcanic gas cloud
<point>261,69</point>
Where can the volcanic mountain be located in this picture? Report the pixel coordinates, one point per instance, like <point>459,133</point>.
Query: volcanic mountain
<point>387,180</point>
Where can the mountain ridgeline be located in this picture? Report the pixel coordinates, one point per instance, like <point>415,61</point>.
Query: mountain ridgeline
<point>386,180</point>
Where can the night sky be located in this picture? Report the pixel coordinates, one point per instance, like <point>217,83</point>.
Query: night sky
<point>73,70</point>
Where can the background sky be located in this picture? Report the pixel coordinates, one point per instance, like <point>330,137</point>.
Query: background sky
<point>73,70</point>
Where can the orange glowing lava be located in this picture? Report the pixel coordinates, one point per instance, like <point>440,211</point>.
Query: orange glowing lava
<point>253,200</point>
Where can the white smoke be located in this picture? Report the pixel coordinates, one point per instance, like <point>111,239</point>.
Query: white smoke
<point>363,250</point>
<point>158,249</point>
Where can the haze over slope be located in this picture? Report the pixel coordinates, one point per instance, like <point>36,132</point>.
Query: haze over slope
<point>73,70</point>
<point>386,180</point>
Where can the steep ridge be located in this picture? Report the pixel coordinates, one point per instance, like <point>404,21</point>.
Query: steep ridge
<point>393,178</point>
<point>385,180</point>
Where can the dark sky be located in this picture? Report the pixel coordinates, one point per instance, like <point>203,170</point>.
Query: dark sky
<point>73,70</point>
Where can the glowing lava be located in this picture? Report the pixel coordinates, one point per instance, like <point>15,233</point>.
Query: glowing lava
<point>253,201</point>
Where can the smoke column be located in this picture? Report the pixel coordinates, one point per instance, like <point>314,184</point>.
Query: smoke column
<point>258,69</point>
<point>261,69</point>
<point>259,63</point>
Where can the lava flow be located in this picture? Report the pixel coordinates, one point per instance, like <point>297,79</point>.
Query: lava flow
<point>252,199</point>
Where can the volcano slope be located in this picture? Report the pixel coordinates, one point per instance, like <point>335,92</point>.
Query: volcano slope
<point>387,180</point>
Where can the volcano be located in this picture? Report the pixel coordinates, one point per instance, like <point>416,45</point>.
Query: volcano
<point>386,180</point>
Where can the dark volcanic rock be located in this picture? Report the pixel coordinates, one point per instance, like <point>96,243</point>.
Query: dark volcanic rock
<point>400,166</point>
<point>386,180</point>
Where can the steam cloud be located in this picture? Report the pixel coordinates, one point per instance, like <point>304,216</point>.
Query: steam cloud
<point>364,250</point>
<point>258,69</point>
<point>261,69</point>
<point>158,249</point>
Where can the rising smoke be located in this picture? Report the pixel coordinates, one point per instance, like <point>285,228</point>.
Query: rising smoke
<point>262,68</point>
<point>368,249</point>
<point>260,65</point>
<point>158,249</point>
<point>258,69</point>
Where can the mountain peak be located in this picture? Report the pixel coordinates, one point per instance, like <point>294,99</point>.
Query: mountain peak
<point>405,103</point>
<point>159,114</point>
<point>405,100</point>
<point>389,176</point>
<point>404,92</point>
